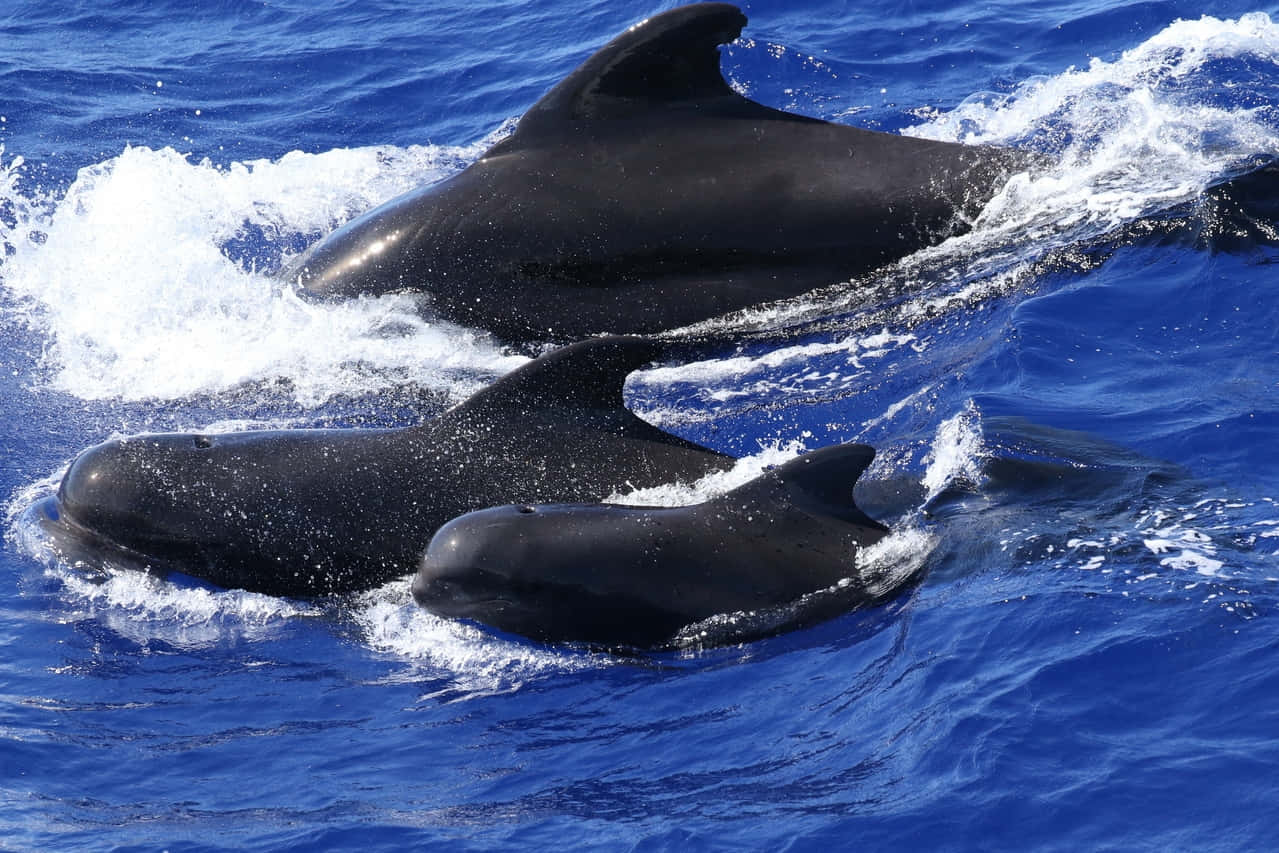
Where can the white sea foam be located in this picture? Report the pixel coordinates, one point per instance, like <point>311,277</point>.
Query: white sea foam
<point>126,276</point>
<point>142,607</point>
<point>1174,54</point>
<point>1134,136</point>
<point>894,559</point>
<point>784,370</point>
<point>857,349</point>
<point>955,454</point>
<point>475,661</point>
<point>1204,539</point>
<point>703,489</point>
<point>1180,546</point>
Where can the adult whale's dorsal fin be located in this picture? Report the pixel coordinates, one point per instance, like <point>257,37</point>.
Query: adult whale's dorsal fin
<point>589,373</point>
<point>670,58</point>
<point>820,481</point>
<point>580,384</point>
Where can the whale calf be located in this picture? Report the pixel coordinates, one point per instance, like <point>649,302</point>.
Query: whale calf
<point>309,512</point>
<point>617,576</point>
<point>642,193</point>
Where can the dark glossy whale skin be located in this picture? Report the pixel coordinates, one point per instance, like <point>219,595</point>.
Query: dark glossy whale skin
<point>642,193</point>
<point>308,512</point>
<point>618,576</point>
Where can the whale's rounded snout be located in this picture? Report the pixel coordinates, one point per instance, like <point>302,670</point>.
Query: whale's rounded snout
<point>447,558</point>
<point>131,489</point>
<point>470,559</point>
<point>99,489</point>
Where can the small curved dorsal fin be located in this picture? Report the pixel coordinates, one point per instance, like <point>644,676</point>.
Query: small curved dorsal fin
<point>669,58</point>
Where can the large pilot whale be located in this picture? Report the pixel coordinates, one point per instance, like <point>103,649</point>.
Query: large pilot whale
<point>643,193</point>
<point>307,512</point>
<point>615,575</point>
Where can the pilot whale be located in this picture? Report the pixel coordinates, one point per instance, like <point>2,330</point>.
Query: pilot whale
<point>614,576</point>
<point>642,193</point>
<point>309,512</point>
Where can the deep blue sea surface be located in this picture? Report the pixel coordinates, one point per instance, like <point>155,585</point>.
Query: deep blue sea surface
<point>1076,408</point>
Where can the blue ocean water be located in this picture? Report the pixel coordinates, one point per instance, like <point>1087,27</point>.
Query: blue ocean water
<point>1074,407</point>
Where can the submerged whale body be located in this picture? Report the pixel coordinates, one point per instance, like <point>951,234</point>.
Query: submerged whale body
<point>642,193</point>
<point>307,512</point>
<point>634,576</point>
